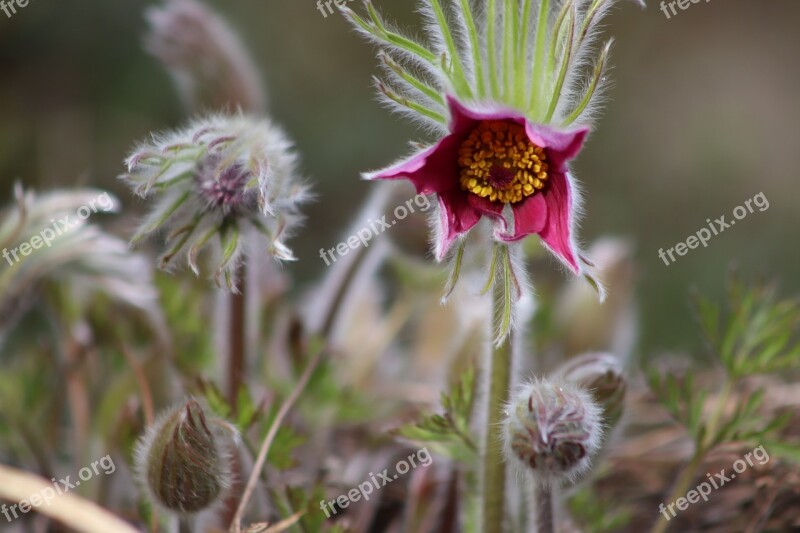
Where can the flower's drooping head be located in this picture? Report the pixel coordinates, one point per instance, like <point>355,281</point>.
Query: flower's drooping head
<point>219,177</point>
<point>495,164</point>
<point>553,430</point>
<point>501,85</point>
<point>182,460</point>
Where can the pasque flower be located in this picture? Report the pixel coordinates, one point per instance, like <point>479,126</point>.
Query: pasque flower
<point>494,160</point>
<point>217,178</point>
<point>500,84</point>
<point>553,429</point>
<point>183,460</point>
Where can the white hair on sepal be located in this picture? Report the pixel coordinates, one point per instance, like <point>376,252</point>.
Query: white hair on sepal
<point>522,289</point>
<point>428,125</point>
<point>524,308</point>
<point>508,262</point>
<point>433,31</point>
<point>530,44</point>
<point>462,40</point>
<point>394,51</point>
<point>438,229</point>
<point>584,44</point>
<point>578,211</point>
<point>429,73</point>
<point>395,81</point>
<point>599,91</point>
<point>567,26</point>
<point>587,53</point>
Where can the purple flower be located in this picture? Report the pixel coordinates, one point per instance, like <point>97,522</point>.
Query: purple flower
<point>497,163</point>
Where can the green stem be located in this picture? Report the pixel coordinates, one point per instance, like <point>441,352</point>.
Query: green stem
<point>722,401</point>
<point>494,469</point>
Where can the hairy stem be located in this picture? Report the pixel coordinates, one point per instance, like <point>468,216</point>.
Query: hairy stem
<point>494,468</point>
<point>236,370</point>
<point>185,525</point>
<point>543,494</point>
<point>236,338</point>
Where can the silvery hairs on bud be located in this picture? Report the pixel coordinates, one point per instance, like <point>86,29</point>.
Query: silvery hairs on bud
<point>208,63</point>
<point>183,460</point>
<point>552,430</point>
<point>211,182</point>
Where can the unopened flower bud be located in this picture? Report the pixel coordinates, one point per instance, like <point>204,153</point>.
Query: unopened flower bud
<point>214,182</point>
<point>601,374</point>
<point>553,430</point>
<point>205,57</point>
<point>182,461</point>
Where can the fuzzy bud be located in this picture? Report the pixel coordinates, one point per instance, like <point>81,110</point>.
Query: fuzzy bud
<point>204,56</point>
<point>182,460</point>
<point>601,374</point>
<point>214,182</point>
<point>553,430</point>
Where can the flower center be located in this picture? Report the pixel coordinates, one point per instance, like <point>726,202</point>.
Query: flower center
<point>499,162</point>
<point>224,188</point>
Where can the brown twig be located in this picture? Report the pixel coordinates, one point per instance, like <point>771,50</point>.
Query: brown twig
<point>144,387</point>
<point>236,526</point>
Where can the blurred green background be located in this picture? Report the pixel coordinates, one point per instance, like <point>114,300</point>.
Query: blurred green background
<point>701,117</point>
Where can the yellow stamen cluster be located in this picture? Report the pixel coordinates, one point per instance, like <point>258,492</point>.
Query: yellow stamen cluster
<point>499,162</point>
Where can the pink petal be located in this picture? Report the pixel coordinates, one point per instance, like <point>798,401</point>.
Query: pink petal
<point>464,119</point>
<point>493,210</point>
<point>561,146</point>
<point>530,216</point>
<point>456,216</point>
<point>434,170</point>
<point>557,232</point>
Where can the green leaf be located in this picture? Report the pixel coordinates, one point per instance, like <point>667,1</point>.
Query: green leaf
<point>449,433</point>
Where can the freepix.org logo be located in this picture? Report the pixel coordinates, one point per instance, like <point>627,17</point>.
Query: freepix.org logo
<point>59,227</point>
<point>9,7</point>
<point>62,486</point>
